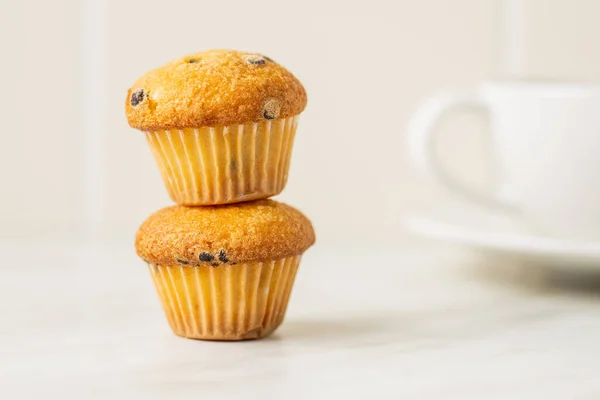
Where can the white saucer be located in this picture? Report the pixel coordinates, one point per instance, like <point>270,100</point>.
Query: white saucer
<point>501,236</point>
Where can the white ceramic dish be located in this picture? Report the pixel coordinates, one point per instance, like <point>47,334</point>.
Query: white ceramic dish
<point>509,238</point>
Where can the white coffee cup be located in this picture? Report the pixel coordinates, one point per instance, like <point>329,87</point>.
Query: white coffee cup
<point>546,140</point>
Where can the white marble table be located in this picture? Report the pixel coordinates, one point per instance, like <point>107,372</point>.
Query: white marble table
<point>416,322</point>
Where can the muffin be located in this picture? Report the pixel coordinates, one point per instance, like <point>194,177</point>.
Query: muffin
<point>221,125</point>
<point>225,272</point>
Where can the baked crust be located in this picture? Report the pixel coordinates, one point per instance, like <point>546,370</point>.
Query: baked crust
<point>260,230</point>
<point>213,88</point>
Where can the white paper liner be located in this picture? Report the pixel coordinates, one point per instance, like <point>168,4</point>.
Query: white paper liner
<point>226,164</point>
<point>228,302</point>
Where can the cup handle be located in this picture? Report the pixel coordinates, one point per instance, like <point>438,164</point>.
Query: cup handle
<point>422,133</point>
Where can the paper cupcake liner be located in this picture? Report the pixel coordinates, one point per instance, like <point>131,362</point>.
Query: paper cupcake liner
<point>228,302</point>
<point>226,164</point>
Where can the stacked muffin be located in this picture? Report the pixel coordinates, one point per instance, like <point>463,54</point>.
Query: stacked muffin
<point>221,126</point>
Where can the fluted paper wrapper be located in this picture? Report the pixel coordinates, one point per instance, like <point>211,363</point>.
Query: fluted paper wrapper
<point>227,302</point>
<point>226,164</point>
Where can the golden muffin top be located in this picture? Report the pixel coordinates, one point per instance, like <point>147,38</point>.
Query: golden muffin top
<point>260,230</point>
<point>212,88</point>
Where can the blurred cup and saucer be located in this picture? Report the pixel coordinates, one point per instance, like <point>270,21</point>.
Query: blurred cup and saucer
<point>546,145</point>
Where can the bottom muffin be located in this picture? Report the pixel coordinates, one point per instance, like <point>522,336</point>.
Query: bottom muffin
<point>225,272</point>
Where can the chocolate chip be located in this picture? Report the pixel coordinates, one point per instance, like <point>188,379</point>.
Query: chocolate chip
<point>206,257</point>
<point>192,61</point>
<point>179,260</point>
<point>214,264</point>
<point>138,96</point>
<point>256,60</point>
<point>271,109</point>
<point>223,256</point>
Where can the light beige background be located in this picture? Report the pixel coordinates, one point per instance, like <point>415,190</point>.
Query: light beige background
<point>70,164</point>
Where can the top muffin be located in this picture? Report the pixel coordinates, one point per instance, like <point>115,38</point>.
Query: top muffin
<point>213,88</point>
